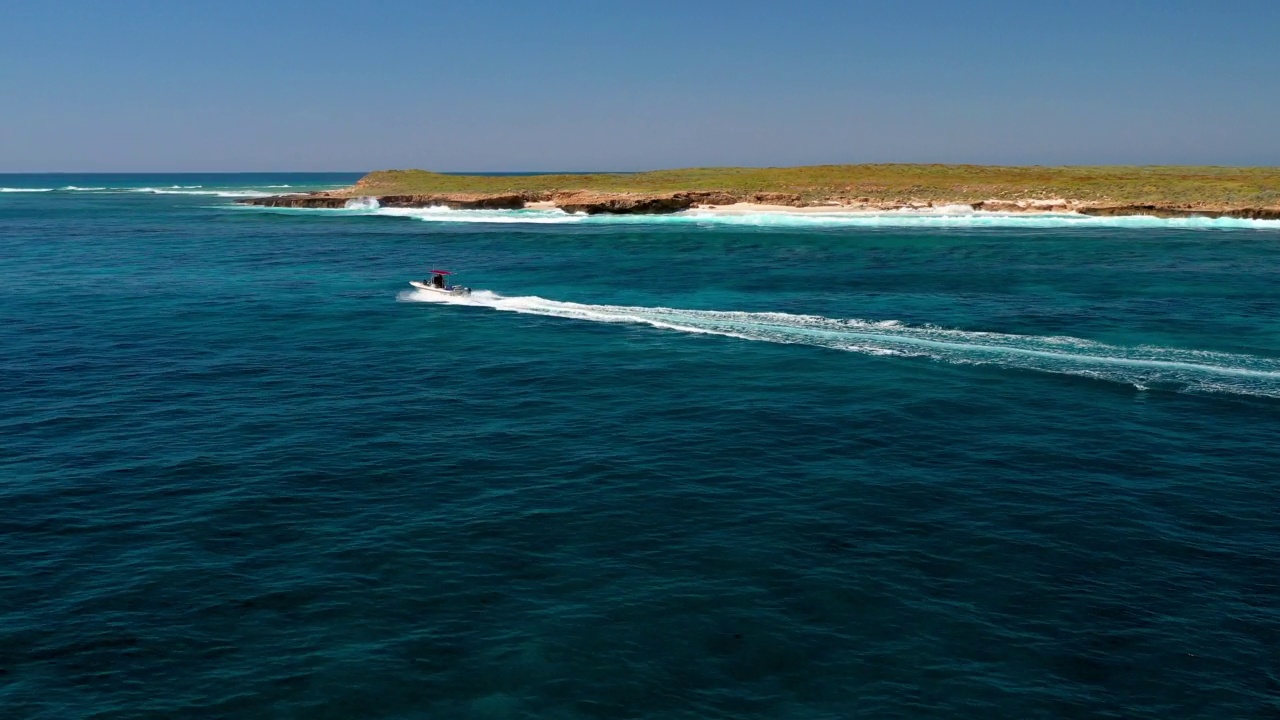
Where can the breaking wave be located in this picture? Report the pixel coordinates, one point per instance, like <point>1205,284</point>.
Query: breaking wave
<point>364,203</point>
<point>1144,367</point>
<point>948,217</point>
<point>24,190</point>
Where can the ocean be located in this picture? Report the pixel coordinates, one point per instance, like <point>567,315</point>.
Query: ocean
<point>766,466</point>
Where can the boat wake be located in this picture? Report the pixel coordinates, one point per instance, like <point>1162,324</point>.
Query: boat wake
<point>1144,367</point>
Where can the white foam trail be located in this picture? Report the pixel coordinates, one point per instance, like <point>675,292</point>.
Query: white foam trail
<point>960,216</point>
<point>1141,366</point>
<point>73,188</point>
<point>24,190</point>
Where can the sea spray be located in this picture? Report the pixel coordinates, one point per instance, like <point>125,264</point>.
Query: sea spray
<point>362,203</point>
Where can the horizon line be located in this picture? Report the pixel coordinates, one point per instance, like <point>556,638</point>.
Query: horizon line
<point>609,172</point>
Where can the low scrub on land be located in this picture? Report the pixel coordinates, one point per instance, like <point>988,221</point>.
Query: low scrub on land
<point>1190,186</point>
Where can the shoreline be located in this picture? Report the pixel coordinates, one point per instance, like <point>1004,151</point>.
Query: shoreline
<point>753,208</point>
<point>1157,191</point>
<point>726,204</point>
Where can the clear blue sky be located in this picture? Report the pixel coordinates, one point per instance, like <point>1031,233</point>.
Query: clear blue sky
<point>126,85</point>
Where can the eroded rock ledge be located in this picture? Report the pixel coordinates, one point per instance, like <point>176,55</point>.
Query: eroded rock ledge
<point>594,203</point>
<point>335,200</point>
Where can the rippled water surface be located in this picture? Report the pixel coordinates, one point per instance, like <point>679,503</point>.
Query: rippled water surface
<point>750,467</point>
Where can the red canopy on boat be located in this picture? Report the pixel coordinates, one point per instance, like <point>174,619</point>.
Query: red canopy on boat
<point>441,272</point>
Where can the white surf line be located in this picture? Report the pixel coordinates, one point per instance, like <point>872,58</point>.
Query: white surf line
<point>1139,365</point>
<point>212,193</point>
<point>940,219</point>
<point>970,220</point>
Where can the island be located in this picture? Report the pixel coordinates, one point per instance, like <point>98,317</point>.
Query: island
<point>1162,191</point>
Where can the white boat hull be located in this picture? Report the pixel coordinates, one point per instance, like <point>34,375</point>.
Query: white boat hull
<point>446,290</point>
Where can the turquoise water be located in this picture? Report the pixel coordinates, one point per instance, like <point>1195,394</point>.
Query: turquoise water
<point>755,467</point>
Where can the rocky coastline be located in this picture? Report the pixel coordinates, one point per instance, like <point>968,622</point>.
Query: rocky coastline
<point>593,203</point>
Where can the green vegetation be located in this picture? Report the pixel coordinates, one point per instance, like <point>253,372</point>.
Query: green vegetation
<point>1256,187</point>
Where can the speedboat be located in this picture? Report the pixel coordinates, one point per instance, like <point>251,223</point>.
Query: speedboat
<point>438,283</point>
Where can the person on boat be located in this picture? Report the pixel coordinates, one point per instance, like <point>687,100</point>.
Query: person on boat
<point>438,281</point>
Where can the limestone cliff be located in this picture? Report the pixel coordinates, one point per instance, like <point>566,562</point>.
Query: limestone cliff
<point>593,203</point>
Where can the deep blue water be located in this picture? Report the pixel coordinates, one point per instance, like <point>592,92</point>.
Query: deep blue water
<point>658,468</point>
